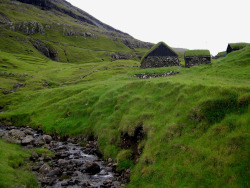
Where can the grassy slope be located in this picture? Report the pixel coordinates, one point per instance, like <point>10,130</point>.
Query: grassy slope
<point>13,170</point>
<point>196,122</point>
<point>72,49</point>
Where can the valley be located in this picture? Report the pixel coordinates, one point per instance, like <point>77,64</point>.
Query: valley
<point>78,79</point>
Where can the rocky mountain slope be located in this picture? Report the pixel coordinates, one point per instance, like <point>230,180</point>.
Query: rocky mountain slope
<point>56,29</point>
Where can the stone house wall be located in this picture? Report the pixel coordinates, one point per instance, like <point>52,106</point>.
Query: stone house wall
<point>192,61</point>
<point>159,61</point>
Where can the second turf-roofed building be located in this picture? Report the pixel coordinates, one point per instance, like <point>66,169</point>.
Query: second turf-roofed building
<point>160,55</point>
<point>197,57</point>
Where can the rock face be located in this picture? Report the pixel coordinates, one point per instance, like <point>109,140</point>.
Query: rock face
<point>28,27</point>
<point>45,49</point>
<point>71,11</point>
<point>136,44</point>
<point>192,61</point>
<point>71,32</point>
<point>159,61</point>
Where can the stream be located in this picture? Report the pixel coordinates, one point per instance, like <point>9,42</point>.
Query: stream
<point>71,166</point>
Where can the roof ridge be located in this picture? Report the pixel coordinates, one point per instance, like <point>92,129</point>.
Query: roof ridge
<point>157,45</point>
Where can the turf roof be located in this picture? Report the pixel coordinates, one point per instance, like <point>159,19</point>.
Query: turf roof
<point>239,45</point>
<point>191,53</point>
<point>155,46</point>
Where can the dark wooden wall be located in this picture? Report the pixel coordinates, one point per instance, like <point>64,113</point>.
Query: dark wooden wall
<point>162,50</point>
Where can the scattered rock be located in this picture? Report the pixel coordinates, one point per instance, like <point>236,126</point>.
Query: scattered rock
<point>55,172</point>
<point>146,76</point>
<point>71,165</point>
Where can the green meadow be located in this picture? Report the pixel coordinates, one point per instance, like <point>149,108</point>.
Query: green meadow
<point>195,123</point>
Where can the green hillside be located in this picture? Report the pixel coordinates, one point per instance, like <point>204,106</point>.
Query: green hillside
<point>30,30</point>
<point>195,124</point>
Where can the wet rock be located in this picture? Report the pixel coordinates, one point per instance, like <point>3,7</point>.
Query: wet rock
<point>47,138</point>
<point>63,162</point>
<point>11,139</point>
<point>27,140</point>
<point>45,168</point>
<point>55,172</point>
<point>92,168</point>
<point>17,133</point>
<point>39,141</point>
<point>28,131</point>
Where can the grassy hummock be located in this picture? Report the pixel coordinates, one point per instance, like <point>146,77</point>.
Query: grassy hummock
<point>155,46</point>
<point>191,53</point>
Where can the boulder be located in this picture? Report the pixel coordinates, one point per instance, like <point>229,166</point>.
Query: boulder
<point>17,133</point>
<point>45,168</point>
<point>92,168</point>
<point>55,172</point>
<point>11,139</point>
<point>63,162</point>
<point>27,140</point>
<point>39,141</point>
<point>47,138</point>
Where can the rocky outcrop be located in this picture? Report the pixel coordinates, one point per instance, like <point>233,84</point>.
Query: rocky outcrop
<point>45,49</point>
<point>136,44</point>
<point>71,32</point>
<point>120,55</point>
<point>193,61</point>
<point>159,61</point>
<point>68,9</point>
<point>28,27</point>
<point>4,19</point>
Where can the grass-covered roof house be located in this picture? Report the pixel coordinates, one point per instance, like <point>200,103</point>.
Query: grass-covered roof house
<point>197,57</point>
<point>160,55</point>
<point>235,46</point>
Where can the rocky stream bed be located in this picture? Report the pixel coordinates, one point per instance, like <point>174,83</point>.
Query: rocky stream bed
<point>71,164</point>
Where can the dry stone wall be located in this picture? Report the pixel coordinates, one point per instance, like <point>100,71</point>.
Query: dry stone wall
<point>157,61</point>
